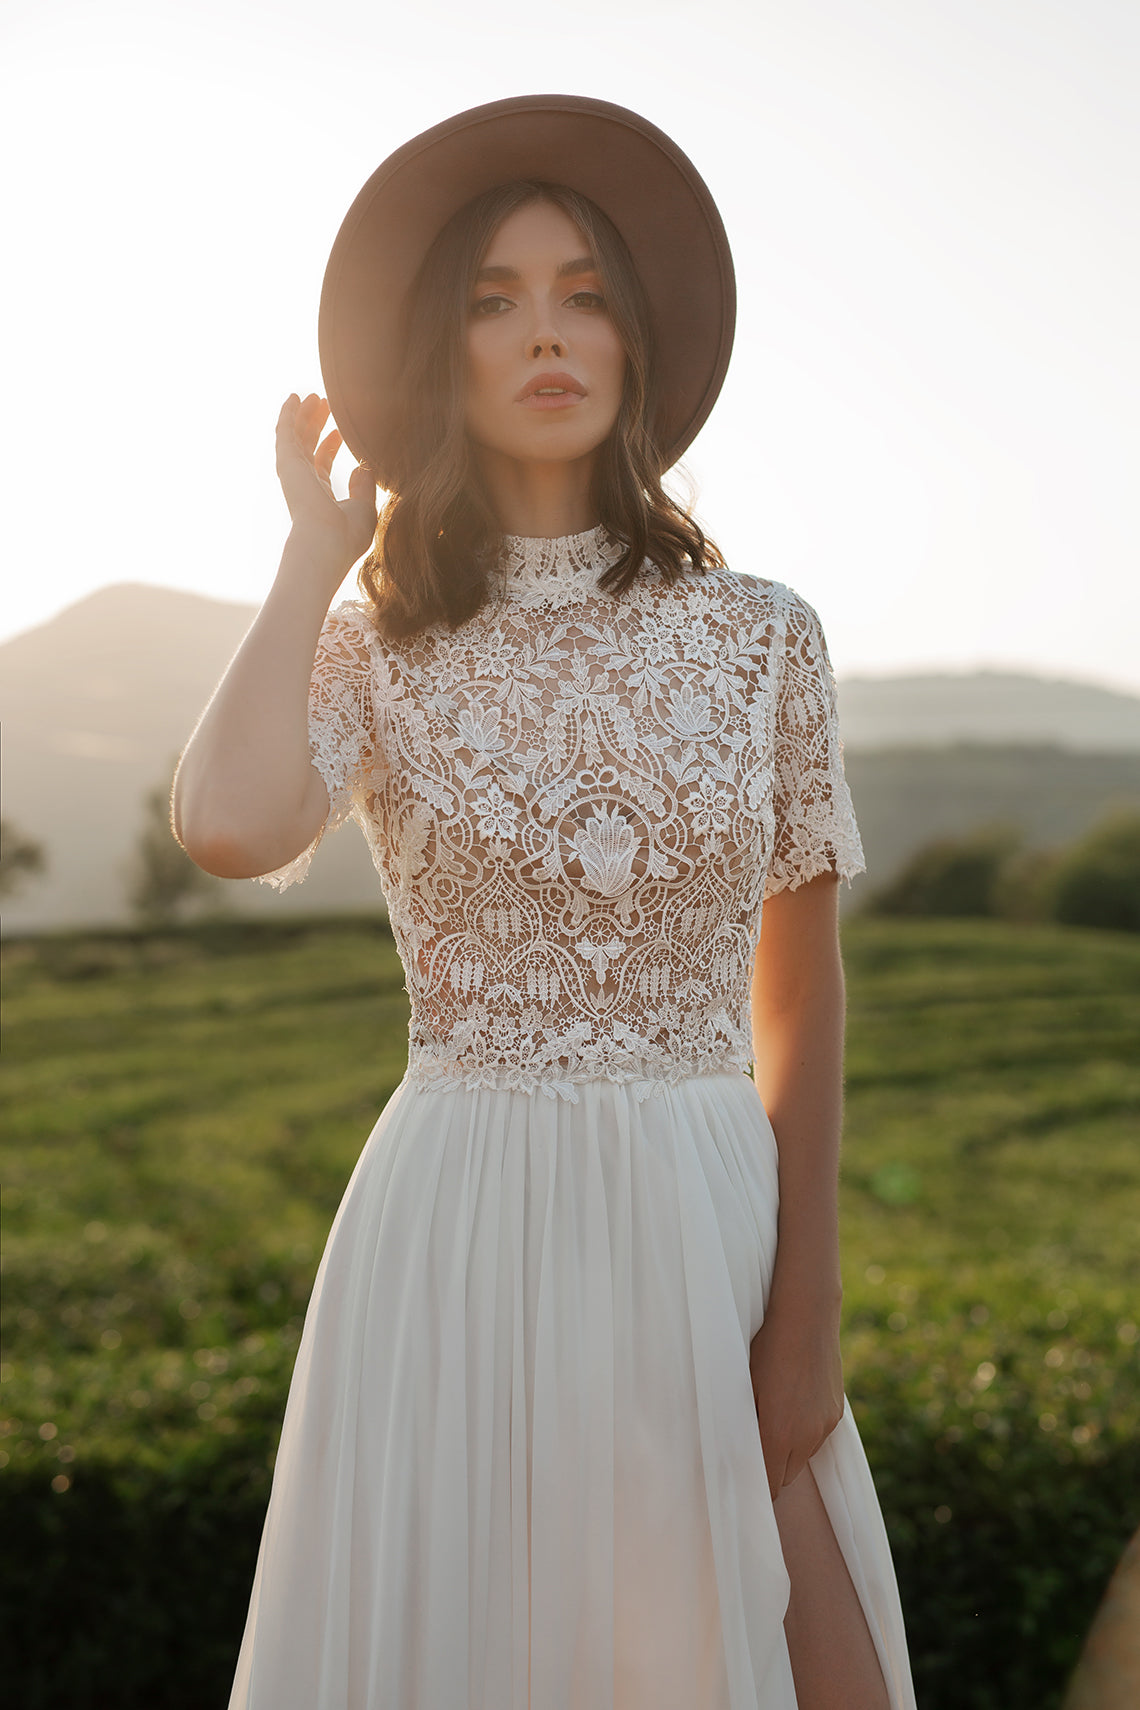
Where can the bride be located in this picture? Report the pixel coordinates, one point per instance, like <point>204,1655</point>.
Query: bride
<point>567,1425</point>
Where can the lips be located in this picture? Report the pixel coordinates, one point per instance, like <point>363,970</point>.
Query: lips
<point>551,389</point>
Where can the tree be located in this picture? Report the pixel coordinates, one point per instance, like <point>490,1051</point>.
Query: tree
<point>20,856</point>
<point>162,878</point>
<point>951,876</point>
<point>1097,882</point>
<point>1023,885</point>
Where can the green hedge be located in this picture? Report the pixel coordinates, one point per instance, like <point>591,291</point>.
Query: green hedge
<point>1003,1537</point>
<point>129,1590</point>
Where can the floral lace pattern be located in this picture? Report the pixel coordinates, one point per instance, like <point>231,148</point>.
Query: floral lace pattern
<point>577,804</point>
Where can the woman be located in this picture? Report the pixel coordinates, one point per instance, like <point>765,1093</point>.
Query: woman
<point>567,1426</point>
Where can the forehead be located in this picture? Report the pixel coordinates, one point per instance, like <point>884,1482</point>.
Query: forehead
<point>537,228</point>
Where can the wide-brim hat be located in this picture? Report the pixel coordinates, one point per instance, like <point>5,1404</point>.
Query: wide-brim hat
<point>635,173</point>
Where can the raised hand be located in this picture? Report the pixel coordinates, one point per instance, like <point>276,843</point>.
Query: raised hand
<point>342,528</point>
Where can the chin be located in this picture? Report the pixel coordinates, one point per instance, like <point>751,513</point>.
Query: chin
<point>553,443</point>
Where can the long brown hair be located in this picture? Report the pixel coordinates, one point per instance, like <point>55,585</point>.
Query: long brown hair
<point>437,537</point>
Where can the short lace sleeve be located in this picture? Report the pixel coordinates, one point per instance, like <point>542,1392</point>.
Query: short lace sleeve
<point>815,828</point>
<point>342,736</point>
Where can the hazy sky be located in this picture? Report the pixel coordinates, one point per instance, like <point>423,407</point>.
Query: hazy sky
<point>931,423</point>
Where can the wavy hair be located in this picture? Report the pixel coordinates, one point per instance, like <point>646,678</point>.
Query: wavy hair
<point>437,537</point>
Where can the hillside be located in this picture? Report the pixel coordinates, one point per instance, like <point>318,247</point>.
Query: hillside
<point>1005,707</point>
<point>97,703</point>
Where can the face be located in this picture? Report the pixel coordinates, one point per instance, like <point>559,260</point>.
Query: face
<point>545,365</point>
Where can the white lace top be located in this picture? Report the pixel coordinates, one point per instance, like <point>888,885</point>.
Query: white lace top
<point>576,805</point>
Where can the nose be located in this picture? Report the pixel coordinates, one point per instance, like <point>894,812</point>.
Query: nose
<point>547,344</point>
<point>544,336</point>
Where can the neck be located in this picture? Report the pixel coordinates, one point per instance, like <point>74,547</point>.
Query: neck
<point>547,500</point>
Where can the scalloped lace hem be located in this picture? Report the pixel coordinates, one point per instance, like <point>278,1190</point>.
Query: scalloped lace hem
<point>846,861</point>
<point>429,1072</point>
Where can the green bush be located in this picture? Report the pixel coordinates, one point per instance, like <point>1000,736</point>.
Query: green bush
<point>1023,885</point>
<point>953,876</point>
<point>128,1589</point>
<point>1094,882</point>
<point>1004,1534</point>
<point>128,1571</point>
<point>1097,882</point>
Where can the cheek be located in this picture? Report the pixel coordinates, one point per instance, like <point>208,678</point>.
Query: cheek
<point>476,366</point>
<point>484,362</point>
<point>473,384</point>
<point>482,402</point>
<point>612,359</point>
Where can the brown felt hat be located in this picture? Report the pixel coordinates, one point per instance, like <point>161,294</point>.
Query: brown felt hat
<point>635,174</point>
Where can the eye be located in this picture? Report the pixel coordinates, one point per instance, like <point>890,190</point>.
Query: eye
<point>494,304</point>
<point>587,300</point>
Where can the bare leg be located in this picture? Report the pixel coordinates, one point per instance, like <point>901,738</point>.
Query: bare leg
<point>834,1664</point>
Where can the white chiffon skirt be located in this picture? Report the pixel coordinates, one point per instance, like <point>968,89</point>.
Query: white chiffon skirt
<point>520,1467</point>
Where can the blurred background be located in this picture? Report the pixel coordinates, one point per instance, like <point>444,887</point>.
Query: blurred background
<point>929,429</point>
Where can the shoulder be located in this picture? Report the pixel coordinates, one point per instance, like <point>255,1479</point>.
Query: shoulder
<point>351,617</point>
<point>349,634</point>
<point>755,598</point>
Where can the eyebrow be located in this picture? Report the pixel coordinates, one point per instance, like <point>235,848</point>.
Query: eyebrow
<point>566,270</point>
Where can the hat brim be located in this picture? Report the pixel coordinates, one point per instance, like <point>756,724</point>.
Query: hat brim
<point>633,171</point>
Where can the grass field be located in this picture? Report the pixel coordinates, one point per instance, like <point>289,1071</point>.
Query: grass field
<point>183,1112</point>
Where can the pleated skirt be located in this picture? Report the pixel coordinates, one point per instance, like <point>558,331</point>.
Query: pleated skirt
<point>520,1466</point>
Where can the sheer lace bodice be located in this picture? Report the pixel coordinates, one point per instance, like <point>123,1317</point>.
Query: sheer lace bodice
<point>576,805</point>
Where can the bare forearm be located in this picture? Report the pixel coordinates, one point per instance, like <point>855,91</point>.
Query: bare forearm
<point>798,1006</point>
<point>799,1074</point>
<point>797,1032</point>
<point>246,799</point>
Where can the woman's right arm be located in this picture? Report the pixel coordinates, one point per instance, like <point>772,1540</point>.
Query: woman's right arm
<point>246,798</point>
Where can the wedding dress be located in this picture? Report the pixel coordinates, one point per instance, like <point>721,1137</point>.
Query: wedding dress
<point>520,1466</point>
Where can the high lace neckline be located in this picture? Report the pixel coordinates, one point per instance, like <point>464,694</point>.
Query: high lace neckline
<point>538,570</point>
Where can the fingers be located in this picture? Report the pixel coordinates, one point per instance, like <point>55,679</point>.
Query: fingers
<point>793,1467</point>
<point>300,423</point>
<point>784,1461</point>
<point>362,483</point>
<point>775,1459</point>
<point>787,1463</point>
<point>311,417</point>
<point>326,452</point>
<point>776,1478</point>
<point>304,468</point>
<point>286,438</point>
<point>784,1469</point>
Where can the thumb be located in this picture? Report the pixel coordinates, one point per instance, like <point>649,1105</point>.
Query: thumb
<point>776,1466</point>
<point>362,483</point>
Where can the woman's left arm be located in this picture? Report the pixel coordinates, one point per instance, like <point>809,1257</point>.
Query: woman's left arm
<point>797,1033</point>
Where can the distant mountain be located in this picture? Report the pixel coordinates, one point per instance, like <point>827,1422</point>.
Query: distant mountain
<point>97,703</point>
<point>990,707</point>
